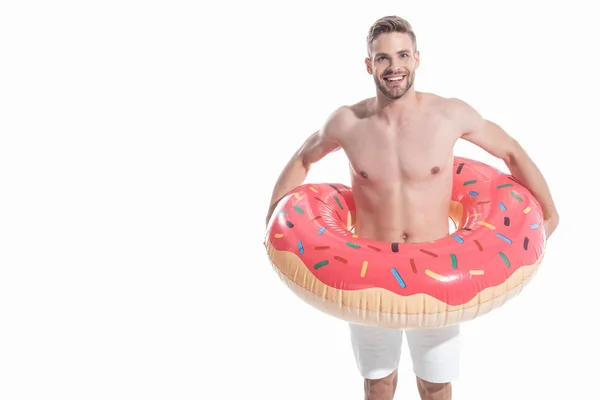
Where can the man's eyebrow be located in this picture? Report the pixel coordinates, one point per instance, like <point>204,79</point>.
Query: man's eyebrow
<point>402,51</point>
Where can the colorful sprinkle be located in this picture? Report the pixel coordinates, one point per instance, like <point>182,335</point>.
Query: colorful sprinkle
<point>289,224</point>
<point>506,262</point>
<point>479,246</point>
<point>472,193</point>
<point>395,247</point>
<point>336,189</point>
<point>278,235</point>
<point>300,248</point>
<point>321,264</point>
<point>502,206</point>
<point>353,245</point>
<point>340,259</point>
<point>354,236</point>
<point>516,196</point>
<point>428,253</point>
<point>470,182</point>
<point>435,276</point>
<point>297,196</point>
<point>525,242</point>
<point>504,185</point>
<point>482,202</point>
<point>476,272</point>
<point>283,212</point>
<point>321,247</point>
<point>454,261</point>
<point>338,202</point>
<point>317,217</point>
<point>398,278</point>
<point>321,230</point>
<point>298,209</point>
<point>506,221</point>
<point>313,189</point>
<point>318,199</point>
<point>373,248</point>
<point>413,266</point>
<point>457,238</point>
<point>363,270</point>
<point>486,224</point>
<point>535,226</point>
<point>526,210</point>
<point>507,240</point>
<point>460,167</point>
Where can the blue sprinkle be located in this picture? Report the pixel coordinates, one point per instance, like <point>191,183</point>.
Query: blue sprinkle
<point>457,238</point>
<point>502,206</point>
<point>321,230</point>
<point>399,278</point>
<point>507,240</point>
<point>300,248</point>
<point>473,193</point>
<point>534,226</point>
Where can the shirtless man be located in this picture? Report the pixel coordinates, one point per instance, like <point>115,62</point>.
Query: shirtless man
<point>400,148</point>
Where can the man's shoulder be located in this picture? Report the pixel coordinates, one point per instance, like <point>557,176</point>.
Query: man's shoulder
<point>345,117</point>
<point>451,107</point>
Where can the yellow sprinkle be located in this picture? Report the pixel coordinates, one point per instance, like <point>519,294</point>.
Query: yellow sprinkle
<point>475,215</point>
<point>525,211</point>
<point>313,189</point>
<point>487,225</point>
<point>438,277</point>
<point>355,236</point>
<point>476,272</point>
<point>279,235</point>
<point>363,271</point>
<point>297,196</point>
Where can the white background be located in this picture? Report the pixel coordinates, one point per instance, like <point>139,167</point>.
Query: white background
<point>139,145</point>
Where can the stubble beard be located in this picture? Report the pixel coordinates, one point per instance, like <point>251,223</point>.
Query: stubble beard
<point>395,93</point>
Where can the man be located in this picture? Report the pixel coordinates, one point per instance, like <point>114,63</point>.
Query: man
<point>399,145</point>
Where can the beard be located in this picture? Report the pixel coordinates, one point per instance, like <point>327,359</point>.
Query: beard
<point>395,91</point>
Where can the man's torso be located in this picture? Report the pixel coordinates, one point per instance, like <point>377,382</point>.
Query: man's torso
<point>402,172</point>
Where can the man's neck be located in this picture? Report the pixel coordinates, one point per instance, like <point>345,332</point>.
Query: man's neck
<point>396,111</point>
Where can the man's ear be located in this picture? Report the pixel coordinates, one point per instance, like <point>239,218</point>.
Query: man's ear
<point>369,65</point>
<point>417,59</point>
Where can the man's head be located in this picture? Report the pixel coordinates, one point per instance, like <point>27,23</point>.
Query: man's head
<point>392,56</point>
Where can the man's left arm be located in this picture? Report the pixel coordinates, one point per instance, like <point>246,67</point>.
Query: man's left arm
<point>492,138</point>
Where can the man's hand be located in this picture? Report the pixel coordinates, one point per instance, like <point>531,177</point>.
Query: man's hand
<point>550,225</point>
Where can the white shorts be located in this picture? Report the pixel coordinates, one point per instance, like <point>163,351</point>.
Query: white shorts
<point>434,352</point>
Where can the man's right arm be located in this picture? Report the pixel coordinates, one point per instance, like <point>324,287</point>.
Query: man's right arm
<point>318,145</point>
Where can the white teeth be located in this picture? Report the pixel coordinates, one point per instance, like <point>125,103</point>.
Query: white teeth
<point>395,78</point>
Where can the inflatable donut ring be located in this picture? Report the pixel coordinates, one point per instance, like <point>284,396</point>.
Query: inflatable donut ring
<point>496,249</point>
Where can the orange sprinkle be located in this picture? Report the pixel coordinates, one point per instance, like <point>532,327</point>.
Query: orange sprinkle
<point>526,210</point>
<point>297,196</point>
<point>437,277</point>
<point>363,271</point>
<point>476,272</point>
<point>486,224</point>
<point>279,235</point>
<point>313,189</point>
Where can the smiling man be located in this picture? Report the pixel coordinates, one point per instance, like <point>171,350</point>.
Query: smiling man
<point>399,145</point>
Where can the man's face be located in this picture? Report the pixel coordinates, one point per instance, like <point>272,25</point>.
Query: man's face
<point>393,64</point>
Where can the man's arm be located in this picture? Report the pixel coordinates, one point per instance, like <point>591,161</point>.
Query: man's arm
<point>493,139</point>
<point>316,146</point>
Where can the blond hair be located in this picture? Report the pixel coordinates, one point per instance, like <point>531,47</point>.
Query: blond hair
<point>390,23</point>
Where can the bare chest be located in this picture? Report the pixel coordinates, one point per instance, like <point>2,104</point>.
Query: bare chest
<point>419,151</point>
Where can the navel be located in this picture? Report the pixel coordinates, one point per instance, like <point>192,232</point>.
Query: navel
<point>435,170</point>
<point>364,174</point>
